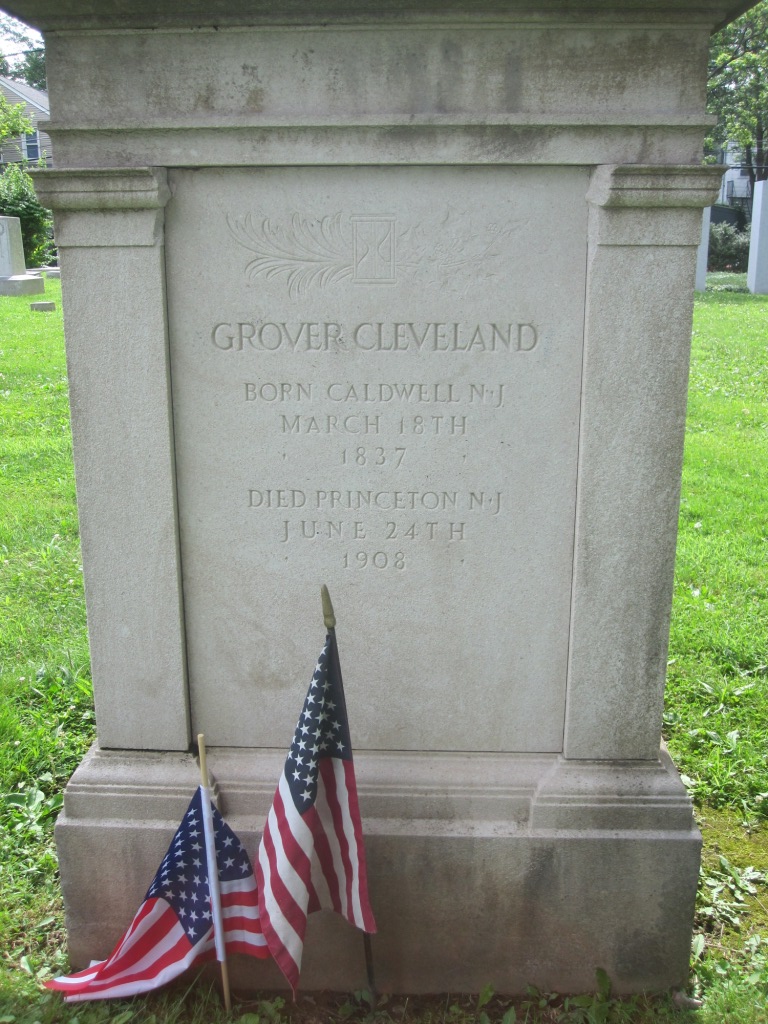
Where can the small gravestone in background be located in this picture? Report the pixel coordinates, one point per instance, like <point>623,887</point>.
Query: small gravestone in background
<point>702,253</point>
<point>757,268</point>
<point>14,279</point>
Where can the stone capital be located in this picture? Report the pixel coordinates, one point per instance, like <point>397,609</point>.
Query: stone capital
<point>106,207</point>
<point>634,186</point>
<point>636,204</point>
<point>113,188</point>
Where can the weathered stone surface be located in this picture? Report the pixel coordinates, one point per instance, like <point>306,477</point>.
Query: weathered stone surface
<point>396,299</point>
<point>417,427</point>
<point>552,867</point>
<point>42,307</point>
<point>108,226</point>
<point>110,14</point>
<point>24,284</point>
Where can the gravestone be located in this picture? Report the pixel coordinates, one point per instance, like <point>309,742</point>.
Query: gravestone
<point>394,297</point>
<point>757,268</point>
<point>14,279</point>
<point>702,254</point>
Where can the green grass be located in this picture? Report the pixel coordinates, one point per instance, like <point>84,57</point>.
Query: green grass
<point>46,711</point>
<point>717,690</point>
<point>721,281</point>
<point>716,720</point>
<point>43,646</point>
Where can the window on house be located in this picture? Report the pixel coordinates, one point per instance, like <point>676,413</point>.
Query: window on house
<point>32,146</point>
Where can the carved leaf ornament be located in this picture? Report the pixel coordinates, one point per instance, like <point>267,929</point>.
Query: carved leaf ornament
<point>307,252</point>
<point>368,250</point>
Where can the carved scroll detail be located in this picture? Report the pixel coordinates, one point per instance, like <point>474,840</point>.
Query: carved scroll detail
<point>317,252</point>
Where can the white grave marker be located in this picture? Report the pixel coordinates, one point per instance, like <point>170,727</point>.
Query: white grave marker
<point>757,268</point>
<point>14,279</point>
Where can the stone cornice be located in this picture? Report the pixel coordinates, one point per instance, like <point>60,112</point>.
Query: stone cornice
<point>55,15</point>
<point>633,186</point>
<point>573,122</point>
<point>140,188</point>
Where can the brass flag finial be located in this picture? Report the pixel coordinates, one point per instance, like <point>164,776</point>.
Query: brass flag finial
<point>328,616</point>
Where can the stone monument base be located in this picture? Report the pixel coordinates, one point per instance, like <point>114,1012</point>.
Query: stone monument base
<point>501,869</point>
<point>22,284</point>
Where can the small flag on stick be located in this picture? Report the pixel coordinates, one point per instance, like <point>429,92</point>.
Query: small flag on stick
<point>311,854</point>
<point>209,834</point>
<point>173,927</point>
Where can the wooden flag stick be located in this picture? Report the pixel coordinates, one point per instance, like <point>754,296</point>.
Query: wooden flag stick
<point>328,617</point>
<point>330,624</point>
<point>213,874</point>
<point>369,968</point>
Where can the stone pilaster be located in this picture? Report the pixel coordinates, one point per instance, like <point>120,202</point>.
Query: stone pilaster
<point>645,225</point>
<point>109,229</point>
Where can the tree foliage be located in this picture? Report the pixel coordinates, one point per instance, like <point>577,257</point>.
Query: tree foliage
<point>13,120</point>
<point>27,61</point>
<point>18,199</point>
<point>31,69</point>
<point>738,87</point>
<point>728,249</point>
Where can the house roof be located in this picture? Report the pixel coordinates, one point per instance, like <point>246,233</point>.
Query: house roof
<point>25,94</point>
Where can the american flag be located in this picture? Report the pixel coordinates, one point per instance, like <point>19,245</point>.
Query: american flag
<point>311,853</point>
<point>173,927</point>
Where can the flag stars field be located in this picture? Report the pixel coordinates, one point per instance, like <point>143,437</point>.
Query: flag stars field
<point>173,927</point>
<point>316,720</point>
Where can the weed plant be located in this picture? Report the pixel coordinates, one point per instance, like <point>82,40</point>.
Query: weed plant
<point>716,719</point>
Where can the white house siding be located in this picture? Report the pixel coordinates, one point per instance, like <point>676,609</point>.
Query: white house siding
<point>36,109</point>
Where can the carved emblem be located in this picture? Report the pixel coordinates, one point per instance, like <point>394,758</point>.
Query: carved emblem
<point>374,256</point>
<point>318,252</point>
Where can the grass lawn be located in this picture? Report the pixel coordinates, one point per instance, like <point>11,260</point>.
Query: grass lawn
<point>716,720</point>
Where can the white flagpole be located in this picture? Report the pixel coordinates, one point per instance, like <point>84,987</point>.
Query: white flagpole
<point>213,874</point>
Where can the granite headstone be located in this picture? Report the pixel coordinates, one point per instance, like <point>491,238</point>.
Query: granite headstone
<point>394,297</point>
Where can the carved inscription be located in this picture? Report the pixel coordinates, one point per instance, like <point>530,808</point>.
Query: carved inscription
<point>376,378</point>
<point>384,427</point>
<point>374,336</point>
<point>377,424</point>
<point>455,509</point>
<point>385,432</point>
<point>319,252</point>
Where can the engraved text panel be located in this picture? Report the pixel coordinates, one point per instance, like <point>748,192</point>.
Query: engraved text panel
<point>376,379</point>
